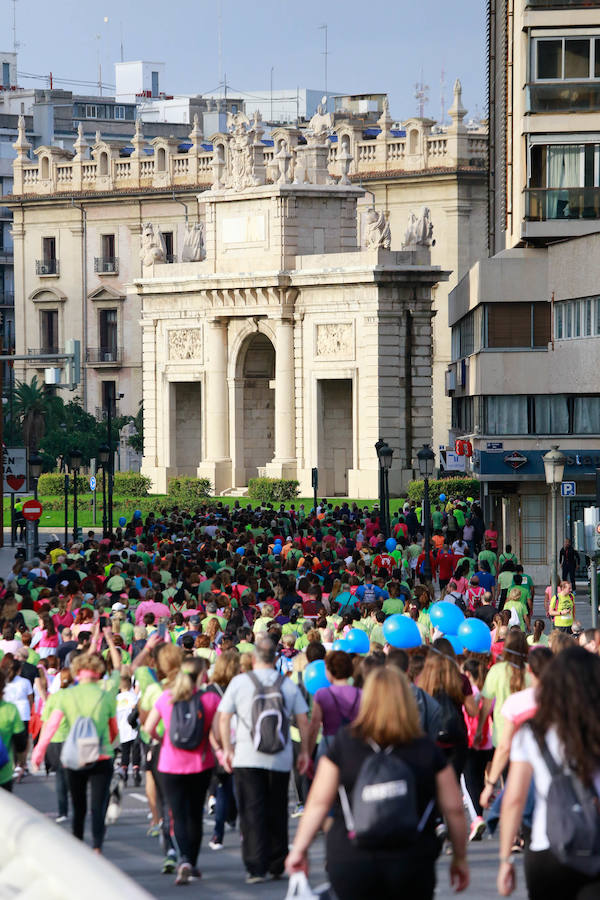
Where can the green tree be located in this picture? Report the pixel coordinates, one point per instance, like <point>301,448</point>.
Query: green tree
<point>33,408</point>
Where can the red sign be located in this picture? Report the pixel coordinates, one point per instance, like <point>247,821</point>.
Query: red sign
<point>32,510</point>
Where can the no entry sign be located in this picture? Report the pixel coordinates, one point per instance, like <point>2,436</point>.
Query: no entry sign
<point>32,510</point>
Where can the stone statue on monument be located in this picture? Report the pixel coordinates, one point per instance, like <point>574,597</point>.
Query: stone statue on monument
<point>153,248</point>
<point>378,235</point>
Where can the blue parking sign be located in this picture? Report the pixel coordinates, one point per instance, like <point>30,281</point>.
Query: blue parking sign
<point>567,489</point>
<point>92,483</point>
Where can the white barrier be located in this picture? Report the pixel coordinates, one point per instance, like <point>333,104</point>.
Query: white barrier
<point>40,860</point>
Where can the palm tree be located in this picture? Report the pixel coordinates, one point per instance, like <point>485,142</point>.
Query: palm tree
<point>32,407</point>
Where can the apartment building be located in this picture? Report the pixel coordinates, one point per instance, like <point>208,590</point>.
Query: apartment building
<point>526,320</point>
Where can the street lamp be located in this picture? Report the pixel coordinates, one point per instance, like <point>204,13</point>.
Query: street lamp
<point>384,455</point>
<point>103,457</point>
<point>36,464</point>
<point>110,412</point>
<point>75,457</point>
<point>554,467</point>
<point>426,459</point>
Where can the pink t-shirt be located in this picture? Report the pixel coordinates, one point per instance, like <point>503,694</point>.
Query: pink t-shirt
<point>175,761</point>
<point>65,620</point>
<point>520,707</point>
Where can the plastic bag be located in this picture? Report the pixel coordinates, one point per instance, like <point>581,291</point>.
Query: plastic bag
<point>299,888</point>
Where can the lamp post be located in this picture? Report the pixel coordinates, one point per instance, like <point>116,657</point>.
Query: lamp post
<point>75,457</point>
<point>103,457</point>
<point>384,455</point>
<point>35,470</point>
<point>554,466</point>
<point>426,459</point>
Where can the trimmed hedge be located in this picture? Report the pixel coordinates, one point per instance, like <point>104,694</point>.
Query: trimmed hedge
<point>451,487</point>
<point>126,484</point>
<point>272,490</point>
<point>185,490</point>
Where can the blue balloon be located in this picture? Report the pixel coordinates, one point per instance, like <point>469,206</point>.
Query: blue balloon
<point>401,631</point>
<point>240,551</point>
<point>446,616</point>
<point>122,521</point>
<point>358,641</point>
<point>341,644</point>
<point>390,545</point>
<point>457,644</point>
<point>315,676</point>
<point>137,514</point>
<point>475,635</point>
<point>442,497</point>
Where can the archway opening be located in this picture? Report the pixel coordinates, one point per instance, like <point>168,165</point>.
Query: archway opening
<point>258,404</point>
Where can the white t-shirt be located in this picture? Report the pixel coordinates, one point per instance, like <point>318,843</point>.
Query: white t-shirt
<point>126,700</point>
<point>18,691</point>
<point>524,748</point>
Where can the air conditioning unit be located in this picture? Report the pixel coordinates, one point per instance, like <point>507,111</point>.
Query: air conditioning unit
<point>109,357</point>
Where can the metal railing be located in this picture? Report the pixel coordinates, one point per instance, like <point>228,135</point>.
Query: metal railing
<point>562,204</point>
<point>106,265</point>
<point>43,351</point>
<point>170,258</point>
<point>563,96</point>
<point>47,267</point>
<point>98,356</point>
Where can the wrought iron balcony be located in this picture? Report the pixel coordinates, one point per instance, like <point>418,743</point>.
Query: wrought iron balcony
<point>106,265</point>
<point>104,356</point>
<point>47,267</point>
<point>44,351</point>
<point>562,204</point>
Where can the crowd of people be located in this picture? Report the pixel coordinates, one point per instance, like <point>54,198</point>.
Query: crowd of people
<point>212,653</point>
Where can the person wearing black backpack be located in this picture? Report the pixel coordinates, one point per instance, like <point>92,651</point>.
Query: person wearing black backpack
<point>389,778</point>
<point>264,702</point>
<point>560,750</point>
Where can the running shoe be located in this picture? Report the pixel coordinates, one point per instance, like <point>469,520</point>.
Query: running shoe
<point>155,830</point>
<point>255,879</point>
<point>169,865</point>
<point>215,844</point>
<point>212,802</point>
<point>477,829</point>
<point>60,819</point>
<point>299,811</point>
<point>184,874</point>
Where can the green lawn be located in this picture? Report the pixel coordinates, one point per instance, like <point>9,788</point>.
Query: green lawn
<point>55,518</point>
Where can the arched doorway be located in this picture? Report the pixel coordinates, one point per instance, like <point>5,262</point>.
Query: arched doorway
<point>255,420</point>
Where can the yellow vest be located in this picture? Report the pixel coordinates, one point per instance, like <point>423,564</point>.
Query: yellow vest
<point>564,604</point>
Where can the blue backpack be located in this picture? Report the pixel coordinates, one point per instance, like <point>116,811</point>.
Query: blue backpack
<point>4,754</point>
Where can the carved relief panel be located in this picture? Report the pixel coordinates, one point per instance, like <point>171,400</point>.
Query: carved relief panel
<point>334,341</point>
<point>185,343</point>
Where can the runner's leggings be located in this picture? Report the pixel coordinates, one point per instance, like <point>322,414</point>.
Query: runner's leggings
<point>99,777</point>
<point>185,795</point>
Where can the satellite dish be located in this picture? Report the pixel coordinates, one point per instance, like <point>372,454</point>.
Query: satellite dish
<point>324,100</point>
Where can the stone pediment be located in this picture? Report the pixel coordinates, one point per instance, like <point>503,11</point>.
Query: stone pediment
<point>47,295</point>
<point>105,293</point>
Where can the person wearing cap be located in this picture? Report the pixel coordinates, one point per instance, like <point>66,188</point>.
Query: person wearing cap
<point>193,629</point>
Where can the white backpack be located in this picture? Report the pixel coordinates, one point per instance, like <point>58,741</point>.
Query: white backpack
<point>82,745</point>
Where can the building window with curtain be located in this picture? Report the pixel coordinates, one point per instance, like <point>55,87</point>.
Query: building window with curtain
<point>563,181</point>
<point>533,519</point>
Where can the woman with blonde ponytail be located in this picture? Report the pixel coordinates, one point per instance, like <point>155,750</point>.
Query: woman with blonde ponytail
<point>186,759</point>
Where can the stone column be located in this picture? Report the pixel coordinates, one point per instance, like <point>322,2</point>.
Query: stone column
<point>284,461</point>
<point>217,462</point>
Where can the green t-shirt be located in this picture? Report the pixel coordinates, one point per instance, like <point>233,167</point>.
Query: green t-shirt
<point>115,583</point>
<point>126,632</point>
<point>460,518</point>
<point>222,622</point>
<point>490,557</point>
<point>205,586</point>
<point>33,658</point>
<point>90,700</point>
<point>10,723</point>
<point>521,610</point>
<point>245,647</point>
<point>507,557</point>
<point>31,618</point>
<point>497,686</point>
<point>149,697</point>
<point>393,605</point>
<point>437,517</point>
<point>505,580</point>
<point>377,634</point>
<point>49,707</point>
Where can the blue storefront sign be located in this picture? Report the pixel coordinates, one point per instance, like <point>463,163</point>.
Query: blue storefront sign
<point>519,464</point>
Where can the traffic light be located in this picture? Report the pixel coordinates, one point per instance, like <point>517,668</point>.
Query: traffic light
<point>73,366</point>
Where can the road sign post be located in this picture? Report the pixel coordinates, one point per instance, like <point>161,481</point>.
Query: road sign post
<point>568,489</point>
<point>93,490</point>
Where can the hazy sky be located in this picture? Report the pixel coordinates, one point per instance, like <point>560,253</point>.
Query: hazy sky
<point>374,45</point>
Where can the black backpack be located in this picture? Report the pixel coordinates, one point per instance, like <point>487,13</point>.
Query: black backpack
<point>186,729</point>
<point>572,817</point>
<point>384,812</point>
<point>452,727</point>
<point>269,721</point>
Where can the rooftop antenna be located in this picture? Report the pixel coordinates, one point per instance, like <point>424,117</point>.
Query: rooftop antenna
<point>443,96</point>
<point>421,96</point>
<point>325,52</point>
<point>220,43</point>
<point>16,44</point>
<point>122,53</point>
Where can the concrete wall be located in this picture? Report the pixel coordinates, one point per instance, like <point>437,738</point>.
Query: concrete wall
<point>335,435</point>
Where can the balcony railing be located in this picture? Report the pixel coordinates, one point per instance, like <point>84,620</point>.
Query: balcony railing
<point>563,204</point>
<point>170,258</point>
<point>7,298</point>
<point>563,4</point>
<point>106,265</point>
<point>564,96</point>
<point>43,351</point>
<point>104,356</point>
<point>46,267</point>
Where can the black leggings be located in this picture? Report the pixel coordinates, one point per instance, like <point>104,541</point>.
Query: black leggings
<point>185,795</point>
<point>547,879</point>
<point>474,773</point>
<point>99,776</point>
<point>357,878</point>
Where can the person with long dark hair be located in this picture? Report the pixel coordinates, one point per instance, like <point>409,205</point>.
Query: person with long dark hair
<point>567,725</point>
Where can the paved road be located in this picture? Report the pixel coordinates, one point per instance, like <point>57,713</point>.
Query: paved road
<point>140,857</point>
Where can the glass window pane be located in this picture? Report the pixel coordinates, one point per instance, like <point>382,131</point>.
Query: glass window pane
<point>533,517</point>
<point>559,321</point>
<point>587,318</point>
<point>551,414</point>
<point>576,318</point>
<point>597,316</point>
<point>586,415</point>
<point>597,60</point>
<point>549,59</point>
<point>577,58</point>
<point>569,320</point>
<point>506,415</point>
